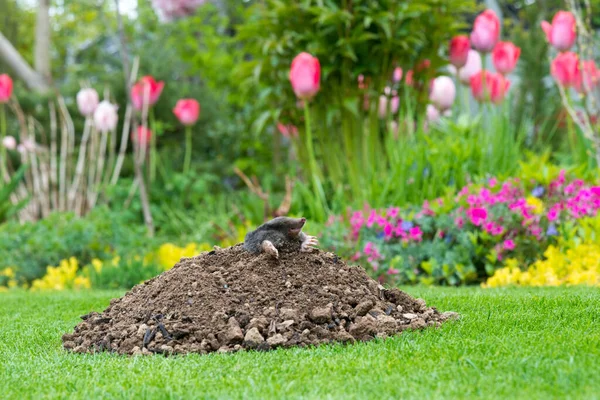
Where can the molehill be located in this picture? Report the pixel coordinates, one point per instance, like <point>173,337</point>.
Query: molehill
<point>228,299</point>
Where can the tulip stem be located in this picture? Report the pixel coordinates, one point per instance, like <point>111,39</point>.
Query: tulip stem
<point>2,136</point>
<point>188,149</point>
<point>153,154</point>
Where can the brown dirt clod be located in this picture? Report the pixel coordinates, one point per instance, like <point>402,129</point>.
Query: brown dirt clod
<point>227,300</point>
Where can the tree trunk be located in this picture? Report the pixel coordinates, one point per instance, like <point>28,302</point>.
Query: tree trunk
<point>42,40</point>
<point>20,67</point>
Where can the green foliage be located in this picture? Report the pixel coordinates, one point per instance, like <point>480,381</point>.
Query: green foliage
<point>123,273</point>
<point>31,247</point>
<point>7,208</point>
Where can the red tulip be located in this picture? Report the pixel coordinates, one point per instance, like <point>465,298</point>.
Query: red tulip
<point>142,136</point>
<point>565,69</point>
<point>305,76</point>
<point>187,111</point>
<point>459,50</point>
<point>505,57</point>
<point>287,130</point>
<point>496,86</point>
<point>561,34</point>
<point>146,89</point>
<point>589,77</point>
<point>486,31</point>
<point>6,88</point>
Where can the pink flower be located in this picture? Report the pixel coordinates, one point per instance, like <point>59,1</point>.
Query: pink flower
<point>443,93</point>
<point>393,212</point>
<point>433,114</point>
<point>142,136</point>
<point>459,50</point>
<point>561,34</point>
<point>169,10</point>
<point>492,182</point>
<point>106,117</point>
<point>589,77</point>
<point>397,74</point>
<point>553,214</point>
<point>509,244</point>
<point>416,234</point>
<point>6,88</point>
<point>305,76</point>
<point>187,111</point>
<point>505,57</point>
<point>146,91</point>
<point>459,222</point>
<point>496,87</point>
<point>9,143</point>
<point>356,256</point>
<point>87,101</point>
<point>393,271</point>
<point>472,67</point>
<point>388,230</point>
<point>565,69</point>
<point>287,130</point>
<point>477,215</point>
<point>486,31</point>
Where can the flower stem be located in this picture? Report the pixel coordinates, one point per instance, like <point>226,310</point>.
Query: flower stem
<point>188,149</point>
<point>2,136</point>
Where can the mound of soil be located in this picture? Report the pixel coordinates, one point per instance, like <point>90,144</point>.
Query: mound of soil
<point>228,299</point>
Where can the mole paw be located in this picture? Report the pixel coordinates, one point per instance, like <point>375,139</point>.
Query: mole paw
<point>311,242</point>
<point>269,248</point>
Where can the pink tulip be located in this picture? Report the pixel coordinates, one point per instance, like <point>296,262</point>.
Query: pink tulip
<point>87,101</point>
<point>187,111</point>
<point>589,77</point>
<point>443,93</point>
<point>6,88</point>
<point>486,31</point>
<point>287,130</point>
<point>142,137</point>
<point>496,87</point>
<point>397,74</point>
<point>433,114</point>
<point>305,76</point>
<point>106,117</point>
<point>147,90</point>
<point>394,104</point>
<point>565,69</point>
<point>561,34</point>
<point>169,10</point>
<point>9,143</point>
<point>459,50</point>
<point>505,57</point>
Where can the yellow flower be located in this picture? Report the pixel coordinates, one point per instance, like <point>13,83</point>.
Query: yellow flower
<point>97,264</point>
<point>64,276</point>
<point>8,272</point>
<point>537,204</point>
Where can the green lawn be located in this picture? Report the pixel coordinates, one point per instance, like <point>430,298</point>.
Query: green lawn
<point>514,343</point>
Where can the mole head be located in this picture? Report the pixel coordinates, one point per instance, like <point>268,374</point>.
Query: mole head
<point>295,226</point>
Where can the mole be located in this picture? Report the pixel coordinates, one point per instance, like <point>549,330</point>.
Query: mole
<point>276,233</point>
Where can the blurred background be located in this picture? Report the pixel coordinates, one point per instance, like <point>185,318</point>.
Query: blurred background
<point>436,142</point>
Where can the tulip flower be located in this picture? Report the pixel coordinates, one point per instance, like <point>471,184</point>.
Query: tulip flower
<point>305,76</point>
<point>6,88</point>
<point>496,86</point>
<point>106,117</point>
<point>505,57</point>
<point>459,50</point>
<point>142,136</point>
<point>147,90</point>
<point>472,67</point>
<point>561,34</point>
<point>565,69</point>
<point>589,77</point>
<point>187,111</point>
<point>397,74</point>
<point>443,93</point>
<point>486,31</point>
<point>287,131</point>
<point>9,143</point>
<point>87,101</point>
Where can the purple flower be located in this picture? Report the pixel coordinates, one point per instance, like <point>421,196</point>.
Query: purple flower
<point>551,231</point>
<point>406,225</point>
<point>538,191</point>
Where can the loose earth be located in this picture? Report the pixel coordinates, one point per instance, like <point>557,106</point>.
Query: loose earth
<point>227,300</point>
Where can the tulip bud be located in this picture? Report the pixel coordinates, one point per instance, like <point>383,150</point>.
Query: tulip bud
<point>87,101</point>
<point>505,57</point>
<point>305,76</point>
<point>6,88</point>
<point>9,143</point>
<point>187,111</point>
<point>443,93</point>
<point>486,31</point>
<point>589,77</point>
<point>565,69</point>
<point>459,50</point>
<point>495,87</point>
<point>106,117</point>
<point>146,90</point>
<point>562,33</point>
<point>397,74</point>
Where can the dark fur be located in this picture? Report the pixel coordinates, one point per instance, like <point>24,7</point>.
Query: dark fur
<point>277,231</point>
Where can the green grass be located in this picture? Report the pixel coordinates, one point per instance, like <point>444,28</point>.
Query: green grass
<point>513,343</point>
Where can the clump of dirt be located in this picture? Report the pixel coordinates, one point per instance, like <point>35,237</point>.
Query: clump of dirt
<point>228,299</point>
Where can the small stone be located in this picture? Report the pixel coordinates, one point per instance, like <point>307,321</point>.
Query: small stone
<point>237,347</point>
<point>232,334</point>
<point>195,285</point>
<point>409,316</point>
<point>321,315</point>
<point>421,304</point>
<point>450,315</point>
<point>253,338</point>
<point>418,323</point>
<point>261,323</point>
<point>399,308</point>
<point>136,351</point>
<point>276,340</point>
<point>288,284</point>
<point>363,308</point>
<point>288,313</point>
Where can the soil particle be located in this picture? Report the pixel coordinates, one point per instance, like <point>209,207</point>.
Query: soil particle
<point>247,301</point>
